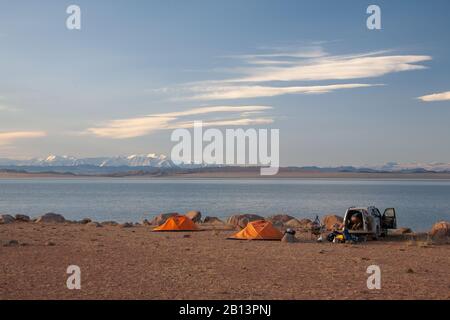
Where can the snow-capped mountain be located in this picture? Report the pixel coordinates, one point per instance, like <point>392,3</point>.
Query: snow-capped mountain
<point>149,160</point>
<point>153,160</point>
<point>394,166</point>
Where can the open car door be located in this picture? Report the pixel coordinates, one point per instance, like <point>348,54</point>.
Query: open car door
<point>389,219</point>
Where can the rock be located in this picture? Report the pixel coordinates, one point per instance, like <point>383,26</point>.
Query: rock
<point>161,218</point>
<point>6,219</point>
<point>297,224</point>
<point>332,221</point>
<point>306,223</point>
<point>241,220</point>
<point>109,223</point>
<point>195,216</point>
<point>400,231</point>
<point>50,244</point>
<point>126,225</point>
<point>85,221</point>
<point>11,243</point>
<point>440,230</point>
<point>94,224</point>
<point>289,238</point>
<point>279,219</point>
<point>213,220</point>
<point>145,222</point>
<point>22,218</point>
<point>51,218</point>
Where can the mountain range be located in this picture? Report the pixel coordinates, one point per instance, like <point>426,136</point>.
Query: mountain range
<point>150,160</point>
<point>161,161</point>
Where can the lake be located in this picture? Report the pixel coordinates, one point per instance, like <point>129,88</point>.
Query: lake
<point>419,203</point>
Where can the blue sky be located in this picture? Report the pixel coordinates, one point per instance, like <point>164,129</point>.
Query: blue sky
<point>338,92</point>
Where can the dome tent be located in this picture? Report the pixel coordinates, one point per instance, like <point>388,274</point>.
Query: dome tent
<point>177,223</point>
<point>258,230</point>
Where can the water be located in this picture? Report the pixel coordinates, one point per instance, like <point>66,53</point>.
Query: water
<point>419,203</point>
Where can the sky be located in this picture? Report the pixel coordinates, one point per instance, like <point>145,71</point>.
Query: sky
<point>339,93</point>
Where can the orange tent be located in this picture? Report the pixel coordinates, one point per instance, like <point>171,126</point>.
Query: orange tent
<point>258,230</point>
<point>177,223</point>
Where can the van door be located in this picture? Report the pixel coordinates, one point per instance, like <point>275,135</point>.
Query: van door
<point>389,219</point>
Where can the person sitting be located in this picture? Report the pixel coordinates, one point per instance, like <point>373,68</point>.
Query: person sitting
<point>355,222</point>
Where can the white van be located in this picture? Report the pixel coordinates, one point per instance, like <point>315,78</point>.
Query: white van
<point>368,221</point>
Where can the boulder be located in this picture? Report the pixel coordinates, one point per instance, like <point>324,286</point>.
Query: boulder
<point>51,218</point>
<point>161,218</point>
<point>289,238</point>
<point>440,230</point>
<point>332,221</point>
<point>6,219</point>
<point>213,220</point>
<point>22,218</point>
<point>241,220</point>
<point>279,219</point>
<point>195,216</point>
<point>298,224</point>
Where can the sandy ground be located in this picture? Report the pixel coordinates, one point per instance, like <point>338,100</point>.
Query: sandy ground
<point>134,263</point>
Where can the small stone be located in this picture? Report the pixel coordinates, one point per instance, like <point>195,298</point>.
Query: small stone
<point>410,270</point>
<point>50,244</point>
<point>109,223</point>
<point>11,243</point>
<point>126,225</point>
<point>85,221</point>
<point>94,224</point>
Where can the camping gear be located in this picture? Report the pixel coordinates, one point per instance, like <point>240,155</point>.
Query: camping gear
<point>258,230</point>
<point>339,238</point>
<point>290,231</point>
<point>177,223</point>
<point>316,227</point>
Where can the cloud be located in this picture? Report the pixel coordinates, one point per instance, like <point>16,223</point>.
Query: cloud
<point>443,96</point>
<point>9,137</point>
<point>335,68</point>
<point>243,92</point>
<point>140,126</point>
<point>8,108</point>
<point>254,77</point>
